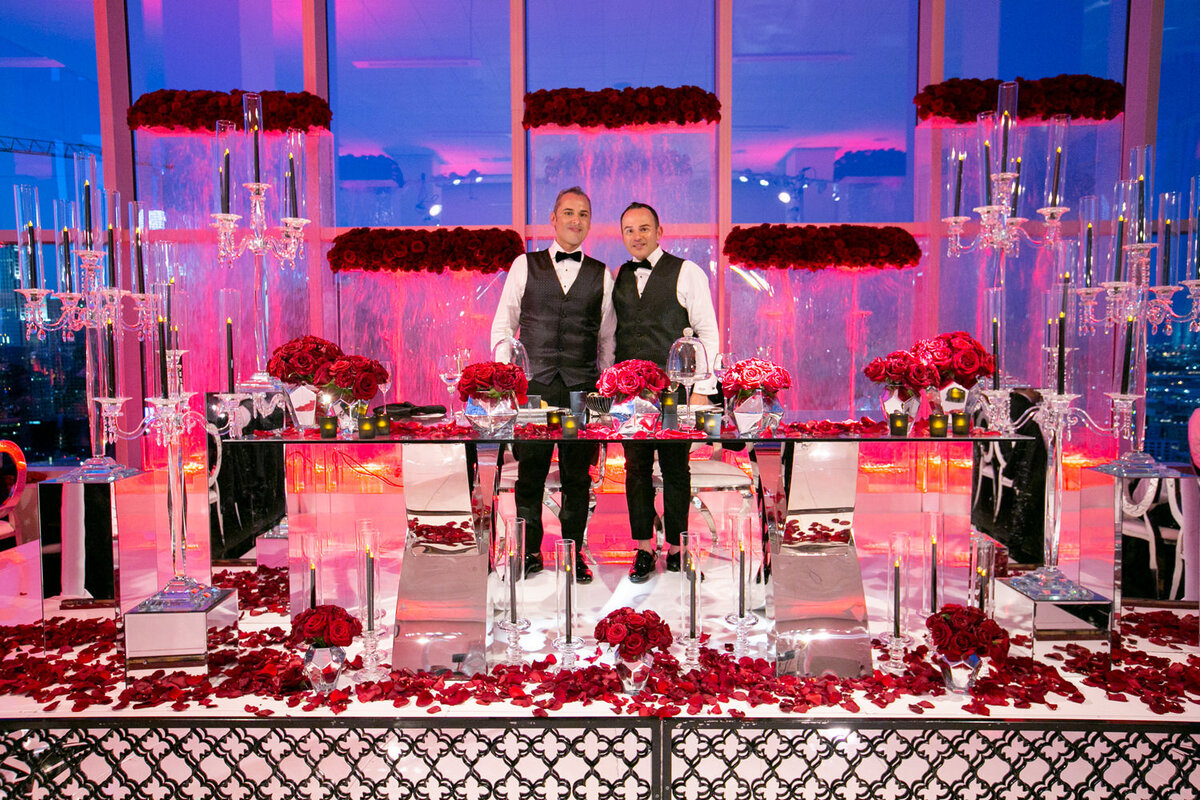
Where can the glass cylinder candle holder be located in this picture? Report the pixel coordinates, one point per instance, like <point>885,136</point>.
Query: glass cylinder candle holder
<point>1141,173</point>
<point>939,426</point>
<point>65,245</point>
<point>566,605</point>
<point>1192,215</point>
<point>366,428</point>
<point>1094,268</point>
<point>367,538</point>
<point>898,423</point>
<point>312,547</point>
<point>252,132</point>
<point>509,560</point>
<point>88,200</point>
<point>742,553</point>
<point>225,152</point>
<point>935,559</point>
<point>995,310</point>
<point>29,237</point>
<point>1057,130</point>
<point>115,273</point>
<point>1170,251</point>
<point>139,237</point>
<point>956,167</point>
<point>554,420</point>
<point>289,176</point>
<point>982,588</point>
<point>229,315</point>
<point>897,638</point>
<point>328,426</point>
<point>691,614</point>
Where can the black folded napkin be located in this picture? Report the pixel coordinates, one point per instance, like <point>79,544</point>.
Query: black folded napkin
<point>407,409</point>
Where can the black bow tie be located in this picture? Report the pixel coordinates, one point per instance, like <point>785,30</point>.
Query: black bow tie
<point>643,264</point>
<point>561,256</point>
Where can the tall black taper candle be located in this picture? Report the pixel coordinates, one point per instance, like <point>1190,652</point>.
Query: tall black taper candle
<point>1119,250</point>
<point>1055,192</point>
<point>958,185</point>
<point>1016,188</point>
<point>87,215</point>
<point>33,248</point>
<point>112,258</point>
<point>137,255</point>
<point>68,278</point>
<point>229,382</point>
<point>1087,258</point>
<point>257,173</point>
<point>1165,280</point>
<point>225,185</point>
<point>293,200</point>
<point>1141,209</point>
<point>1060,382</point>
<point>162,355</point>
<point>1127,366</point>
<point>110,350</point>
<point>987,172</point>
<point>996,351</point>
<point>896,599</point>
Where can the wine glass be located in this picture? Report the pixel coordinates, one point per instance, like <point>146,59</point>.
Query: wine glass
<point>764,352</point>
<point>384,386</point>
<point>687,363</point>
<point>721,364</point>
<point>449,369</point>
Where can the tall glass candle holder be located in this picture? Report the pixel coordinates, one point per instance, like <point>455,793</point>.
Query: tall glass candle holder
<point>742,552</point>
<point>566,605</point>
<point>509,559</point>
<point>982,574</point>
<point>1058,130</point>
<point>934,560</point>
<point>32,284</point>
<point>897,638</point>
<point>229,398</point>
<point>691,610</point>
<point>371,611</point>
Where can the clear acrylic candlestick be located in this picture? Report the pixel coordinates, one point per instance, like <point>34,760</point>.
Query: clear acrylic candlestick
<point>510,561</point>
<point>568,641</point>
<point>371,611</point>
<point>742,618</point>
<point>897,639</point>
<point>690,606</point>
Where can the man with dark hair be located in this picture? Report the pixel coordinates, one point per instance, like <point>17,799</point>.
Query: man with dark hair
<point>656,296</point>
<point>560,302</point>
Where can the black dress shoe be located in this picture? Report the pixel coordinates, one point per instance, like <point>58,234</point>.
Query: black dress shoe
<point>673,561</point>
<point>643,566</point>
<point>583,573</point>
<point>533,564</point>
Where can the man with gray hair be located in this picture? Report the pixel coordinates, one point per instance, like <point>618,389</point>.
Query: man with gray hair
<point>558,303</point>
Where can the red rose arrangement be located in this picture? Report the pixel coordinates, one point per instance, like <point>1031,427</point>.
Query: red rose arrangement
<point>298,361</point>
<point>754,374</point>
<point>1081,96</point>
<point>351,377</point>
<point>619,108</point>
<point>199,110</point>
<point>933,363</point>
<point>325,626</point>
<point>817,247</point>
<point>959,358</point>
<point>902,371</point>
<point>492,380</point>
<point>418,250</point>
<point>316,361</point>
<point>633,633</point>
<point>959,632</point>
<point>633,378</point>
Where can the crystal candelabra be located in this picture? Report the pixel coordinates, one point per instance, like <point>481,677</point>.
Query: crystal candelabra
<point>93,304</point>
<point>284,243</point>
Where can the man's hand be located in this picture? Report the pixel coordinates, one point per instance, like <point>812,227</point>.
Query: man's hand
<point>698,399</point>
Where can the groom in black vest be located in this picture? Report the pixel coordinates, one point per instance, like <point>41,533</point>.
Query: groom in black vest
<point>560,301</point>
<point>656,295</point>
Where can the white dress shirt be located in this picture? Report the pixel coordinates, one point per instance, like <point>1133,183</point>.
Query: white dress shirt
<point>508,313</point>
<point>692,293</point>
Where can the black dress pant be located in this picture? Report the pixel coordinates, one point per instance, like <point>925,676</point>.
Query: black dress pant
<point>639,487</point>
<point>574,461</point>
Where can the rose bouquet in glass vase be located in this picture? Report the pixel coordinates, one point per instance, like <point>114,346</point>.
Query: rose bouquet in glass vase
<point>961,362</point>
<point>904,377</point>
<point>326,630</point>
<point>627,640</point>
<point>492,392</point>
<point>751,389</point>
<point>347,384</point>
<point>635,387</point>
<point>295,364</point>
<point>963,637</point>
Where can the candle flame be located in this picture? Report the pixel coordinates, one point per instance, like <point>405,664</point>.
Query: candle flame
<point>229,320</point>
<point>962,156</point>
<point>897,564</point>
<point>369,552</point>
